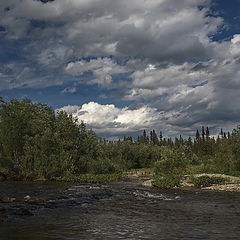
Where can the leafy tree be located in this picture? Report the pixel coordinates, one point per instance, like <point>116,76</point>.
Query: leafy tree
<point>15,128</point>
<point>235,145</point>
<point>171,163</point>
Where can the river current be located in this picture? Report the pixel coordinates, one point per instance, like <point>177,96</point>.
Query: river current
<point>123,210</point>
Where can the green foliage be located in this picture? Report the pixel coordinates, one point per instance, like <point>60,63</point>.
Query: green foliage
<point>223,160</point>
<point>24,124</point>
<point>234,173</point>
<point>90,178</point>
<point>206,181</point>
<point>36,142</point>
<point>128,155</point>
<point>171,162</point>
<point>169,167</point>
<point>166,182</point>
<point>103,166</point>
<point>235,147</point>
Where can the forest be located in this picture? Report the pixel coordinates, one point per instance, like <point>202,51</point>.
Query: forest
<point>38,143</point>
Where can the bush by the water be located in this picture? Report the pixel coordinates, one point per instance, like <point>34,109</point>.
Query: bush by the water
<point>171,162</point>
<point>165,182</point>
<point>207,181</point>
<point>169,167</point>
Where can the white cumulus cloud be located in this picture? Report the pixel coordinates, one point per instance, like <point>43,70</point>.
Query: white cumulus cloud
<point>111,119</point>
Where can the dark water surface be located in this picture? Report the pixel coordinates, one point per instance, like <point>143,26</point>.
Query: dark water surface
<point>123,210</point>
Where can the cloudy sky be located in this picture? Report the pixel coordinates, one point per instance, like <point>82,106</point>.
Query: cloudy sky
<point>127,65</point>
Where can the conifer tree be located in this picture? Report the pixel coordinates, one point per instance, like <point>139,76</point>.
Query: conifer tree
<point>181,139</point>
<point>155,140</point>
<point>203,133</point>
<point>197,135</point>
<point>221,133</point>
<point>228,135</point>
<point>151,137</point>
<point>207,133</point>
<point>160,137</point>
<point>189,142</point>
<point>144,138</point>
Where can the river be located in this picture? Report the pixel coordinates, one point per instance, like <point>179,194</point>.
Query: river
<point>122,210</point>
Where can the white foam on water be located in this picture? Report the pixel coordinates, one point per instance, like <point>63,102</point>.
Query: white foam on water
<point>96,187</point>
<point>146,194</point>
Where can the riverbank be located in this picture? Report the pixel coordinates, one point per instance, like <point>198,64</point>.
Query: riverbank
<point>145,176</point>
<point>133,174</point>
<point>81,178</point>
<point>230,183</point>
<point>91,178</point>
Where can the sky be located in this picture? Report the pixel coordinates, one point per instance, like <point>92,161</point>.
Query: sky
<point>125,66</point>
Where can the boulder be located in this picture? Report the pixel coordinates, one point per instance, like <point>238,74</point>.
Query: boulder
<point>147,183</point>
<point>33,200</point>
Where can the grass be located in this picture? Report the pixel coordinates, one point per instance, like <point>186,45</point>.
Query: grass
<point>90,178</point>
<point>207,181</point>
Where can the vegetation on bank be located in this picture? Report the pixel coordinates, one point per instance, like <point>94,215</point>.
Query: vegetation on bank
<point>90,178</point>
<point>38,143</point>
<point>207,181</point>
<point>166,182</point>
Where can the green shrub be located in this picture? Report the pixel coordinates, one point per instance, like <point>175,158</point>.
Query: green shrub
<point>207,181</point>
<point>165,182</point>
<point>171,163</point>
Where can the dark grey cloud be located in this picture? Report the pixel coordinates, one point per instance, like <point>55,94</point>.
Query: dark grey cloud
<point>159,30</point>
<point>158,54</point>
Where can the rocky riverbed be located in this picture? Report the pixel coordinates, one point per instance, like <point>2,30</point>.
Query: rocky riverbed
<point>122,210</point>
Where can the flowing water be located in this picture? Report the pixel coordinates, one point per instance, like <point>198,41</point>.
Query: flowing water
<point>123,210</point>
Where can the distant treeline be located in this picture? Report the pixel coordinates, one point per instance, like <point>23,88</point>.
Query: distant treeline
<point>36,142</point>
